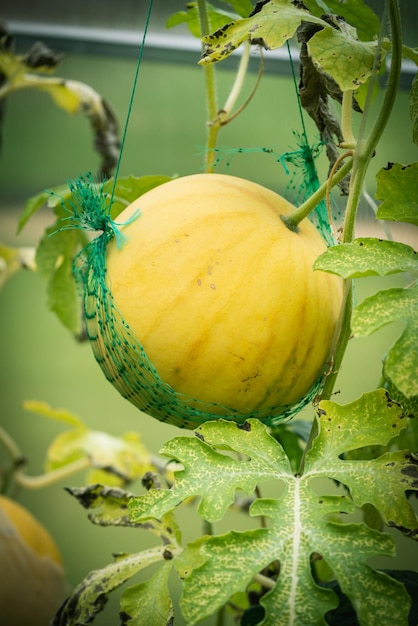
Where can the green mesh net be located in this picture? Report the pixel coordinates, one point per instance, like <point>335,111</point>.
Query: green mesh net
<point>116,348</point>
<point>300,166</point>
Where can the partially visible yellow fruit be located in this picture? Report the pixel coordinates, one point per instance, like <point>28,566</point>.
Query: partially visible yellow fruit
<point>222,297</point>
<point>32,578</point>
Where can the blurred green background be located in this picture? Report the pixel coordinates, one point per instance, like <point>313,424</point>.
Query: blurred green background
<point>42,146</point>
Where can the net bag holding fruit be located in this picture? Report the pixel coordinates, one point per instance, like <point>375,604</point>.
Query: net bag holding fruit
<point>201,303</point>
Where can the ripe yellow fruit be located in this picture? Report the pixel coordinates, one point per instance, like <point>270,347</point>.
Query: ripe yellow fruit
<point>222,297</point>
<point>32,578</point>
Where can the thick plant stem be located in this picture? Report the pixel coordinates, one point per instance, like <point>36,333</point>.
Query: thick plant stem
<point>211,97</point>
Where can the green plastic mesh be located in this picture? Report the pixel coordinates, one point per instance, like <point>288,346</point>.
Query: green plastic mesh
<point>116,348</point>
<point>299,164</point>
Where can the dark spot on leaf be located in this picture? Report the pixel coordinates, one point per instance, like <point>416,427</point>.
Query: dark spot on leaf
<point>321,412</point>
<point>245,426</point>
<point>258,7</point>
<point>411,471</point>
<point>151,480</point>
<point>124,618</point>
<point>391,464</point>
<point>389,166</point>
<point>167,555</point>
<point>199,436</point>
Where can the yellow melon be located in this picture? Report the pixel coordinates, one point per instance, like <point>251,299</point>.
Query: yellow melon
<point>222,297</point>
<point>33,583</point>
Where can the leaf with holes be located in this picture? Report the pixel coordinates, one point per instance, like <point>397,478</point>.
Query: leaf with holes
<point>368,256</point>
<point>205,466</point>
<point>386,307</point>
<point>303,520</point>
<point>397,187</point>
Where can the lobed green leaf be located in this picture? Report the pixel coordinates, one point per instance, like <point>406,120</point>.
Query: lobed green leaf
<point>368,256</point>
<point>374,419</point>
<point>397,187</point>
<point>386,307</point>
<point>263,459</point>
<point>303,518</point>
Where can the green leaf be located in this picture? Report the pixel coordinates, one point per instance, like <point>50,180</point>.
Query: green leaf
<point>54,257</point>
<point>59,415</point>
<point>275,23</point>
<point>302,517</point>
<point>374,419</point>
<point>89,598</point>
<point>408,438</point>
<point>129,188</point>
<point>115,460</point>
<point>397,187</point>
<point>358,14</point>
<point>148,603</point>
<point>413,108</point>
<point>241,7</point>
<point>368,257</point>
<point>216,17</point>
<point>31,207</point>
<point>112,502</point>
<point>385,307</point>
<point>111,506</point>
<point>264,460</point>
<point>63,298</point>
<point>341,55</point>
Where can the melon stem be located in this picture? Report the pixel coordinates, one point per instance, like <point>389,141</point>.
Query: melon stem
<point>293,219</point>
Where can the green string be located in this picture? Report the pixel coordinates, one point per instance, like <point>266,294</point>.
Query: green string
<point>131,101</point>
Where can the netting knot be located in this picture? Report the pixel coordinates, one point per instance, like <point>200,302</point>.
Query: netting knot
<point>88,208</point>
